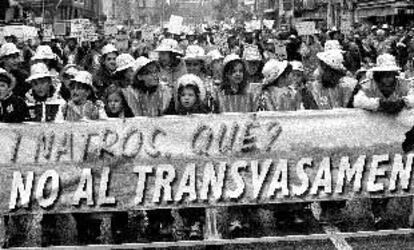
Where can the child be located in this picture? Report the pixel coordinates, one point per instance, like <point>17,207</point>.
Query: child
<point>125,70</point>
<point>254,64</point>
<point>83,104</point>
<point>42,99</point>
<point>116,105</point>
<point>190,97</point>
<point>13,109</point>
<point>66,75</point>
<point>233,94</point>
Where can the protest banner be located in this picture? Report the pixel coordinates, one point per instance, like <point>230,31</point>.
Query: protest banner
<point>305,28</point>
<point>175,24</point>
<point>22,32</point>
<point>204,160</point>
<point>268,23</point>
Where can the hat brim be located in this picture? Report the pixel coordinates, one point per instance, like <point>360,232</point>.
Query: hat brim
<point>130,65</point>
<point>14,52</point>
<point>37,76</point>
<point>42,58</point>
<point>161,49</point>
<point>386,69</point>
<point>321,56</point>
<point>195,58</point>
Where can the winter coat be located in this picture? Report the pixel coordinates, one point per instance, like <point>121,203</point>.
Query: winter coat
<point>13,109</point>
<point>369,96</point>
<point>22,87</point>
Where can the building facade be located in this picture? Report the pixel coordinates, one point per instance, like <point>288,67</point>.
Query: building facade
<point>396,12</point>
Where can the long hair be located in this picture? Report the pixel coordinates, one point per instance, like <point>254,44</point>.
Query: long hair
<point>140,84</point>
<point>116,90</point>
<point>330,77</point>
<point>228,69</point>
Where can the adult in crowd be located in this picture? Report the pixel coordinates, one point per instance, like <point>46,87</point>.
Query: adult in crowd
<point>105,76</point>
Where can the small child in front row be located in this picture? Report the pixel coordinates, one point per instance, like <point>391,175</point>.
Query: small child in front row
<point>190,97</point>
<point>82,104</point>
<point>116,105</point>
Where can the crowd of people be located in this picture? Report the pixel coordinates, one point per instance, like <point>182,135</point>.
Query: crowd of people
<point>219,69</point>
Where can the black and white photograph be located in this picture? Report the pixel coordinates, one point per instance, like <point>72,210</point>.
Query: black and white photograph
<point>207,124</point>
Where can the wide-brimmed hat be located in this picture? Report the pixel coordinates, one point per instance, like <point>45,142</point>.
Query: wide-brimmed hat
<point>44,52</point>
<point>8,49</point>
<point>297,66</point>
<point>6,76</point>
<point>252,53</point>
<point>191,79</point>
<point>231,58</point>
<point>125,61</point>
<point>83,77</point>
<point>273,69</point>
<point>37,71</point>
<point>109,48</point>
<point>215,55</point>
<point>142,61</point>
<point>386,63</point>
<point>169,45</point>
<point>70,69</point>
<point>332,45</point>
<point>332,58</point>
<point>195,52</point>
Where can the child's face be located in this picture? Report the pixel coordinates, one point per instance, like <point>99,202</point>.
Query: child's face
<point>79,92</point>
<point>165,58</point>
<point>41,86</point>
<point>296,76</point>
<point>188,98</point>
<point>193,66</point>
<point>110,61</point>
<point>115,103</point>
<point>4,90</point>
<point>150,75</point>
<point>237,74</point>
<point>252,67</point>
<point>129,74</point>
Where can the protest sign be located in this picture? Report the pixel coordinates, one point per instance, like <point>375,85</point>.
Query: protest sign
<point>204,160</point>
<point>122,42</point>
<point>305,28</point>
<point>346,23</point>
<point>22,32</point>
<point>268,23</point>
<point>60,28</point>
<point>110,28</point>
<point>47,32</point>
<point>175,24</point>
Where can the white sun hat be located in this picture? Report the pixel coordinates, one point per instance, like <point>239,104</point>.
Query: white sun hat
<point>273,69</point>
<point>386,63</point>
<point>70,69</point>
<point>37,71</point>
<point>332,58</point>
<point>125,61</point>
<point>231,58</point>
<point>83,77</point>
<point>195,52</point>
<point>44,52</point>
<point>191,79</point>
<point>252,53</point>
<point>169,45</point>
<point>142,61</point>
<point>297,65</point>
<point>109,48</point>
<point>8,49</point>
<point>215,55</point>
<point>332,45</point>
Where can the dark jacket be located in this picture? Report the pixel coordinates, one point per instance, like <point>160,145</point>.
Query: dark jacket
<point>13,110</point>
<point>22,87</point>
<point>101,80</point>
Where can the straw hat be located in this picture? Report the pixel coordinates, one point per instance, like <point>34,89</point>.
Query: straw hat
<point>83,77</point>
<point>386,63</point>
<point>195,52</point>
<point>297,65</point>
<point>332,58</point>
<point>125,61</point>
<point>252,54</point>
<point>109,48</point>
<point>169,45</point>
<point>37,71</point>
<point>231,58</point>
<point>70,69</point>
<point>215,55</point>
<point>273,69</point>
<point>6,76</point>
<point>8,49</point>
<point>44,52</point>
<point>141,62</point>
<point>332,45</point>
<point>191,79</point>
